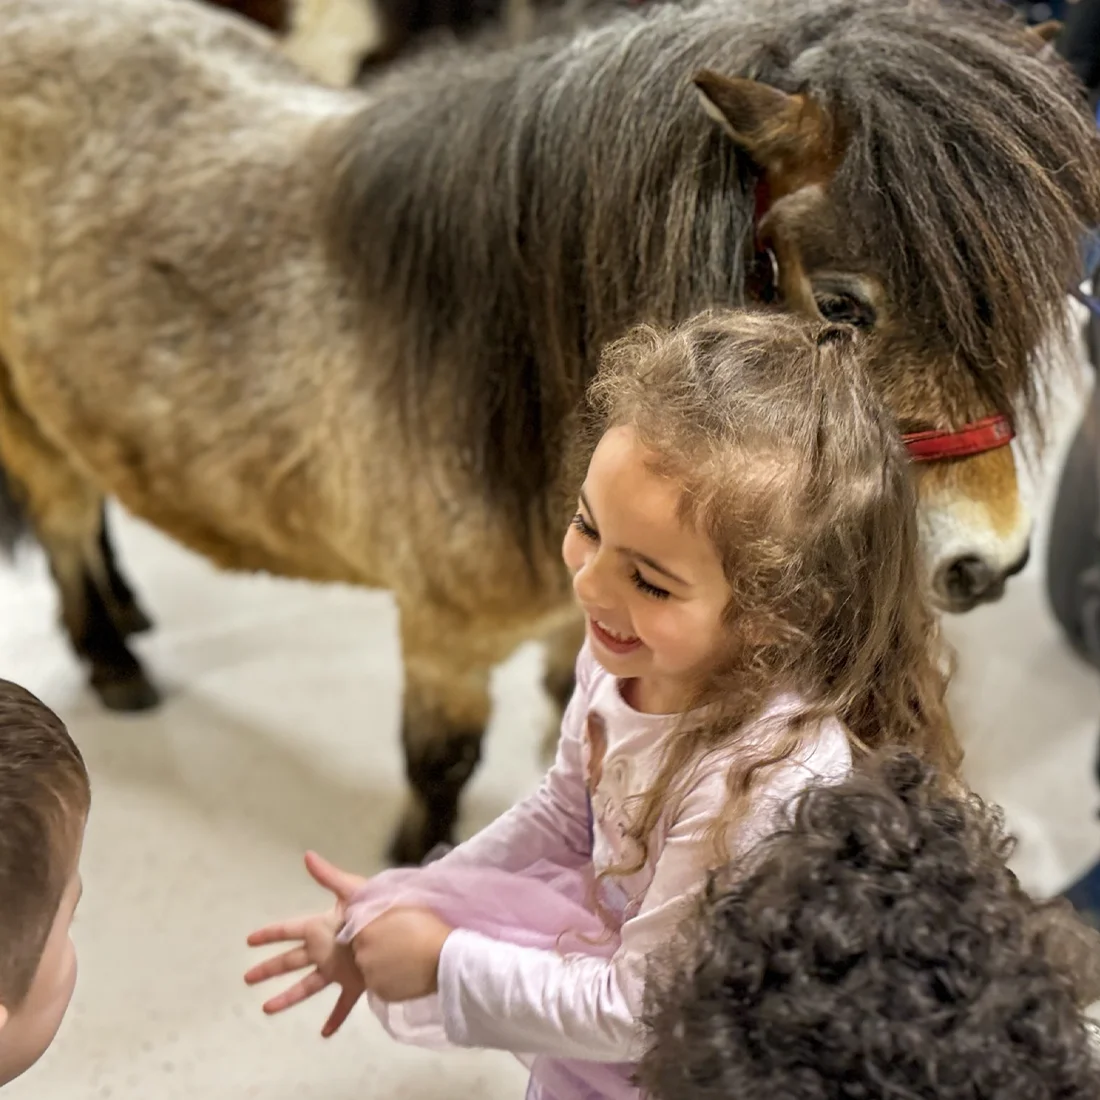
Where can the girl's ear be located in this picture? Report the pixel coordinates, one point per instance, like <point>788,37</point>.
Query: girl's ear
<point>5,1016</point>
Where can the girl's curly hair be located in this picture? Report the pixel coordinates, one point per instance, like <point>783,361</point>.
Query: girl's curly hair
<point>795,471</point>
<point>877,947</point>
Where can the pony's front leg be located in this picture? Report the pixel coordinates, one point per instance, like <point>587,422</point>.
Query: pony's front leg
<point>123,605</point>
<point>446,711</point>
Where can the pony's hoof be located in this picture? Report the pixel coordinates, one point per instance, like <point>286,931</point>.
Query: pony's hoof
<point>128,696</point>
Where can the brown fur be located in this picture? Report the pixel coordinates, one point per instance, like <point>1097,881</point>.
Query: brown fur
<point>966,481</point>
<point>342,335</point>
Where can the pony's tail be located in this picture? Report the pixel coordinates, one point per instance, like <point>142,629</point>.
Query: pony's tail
<point>14,525</point>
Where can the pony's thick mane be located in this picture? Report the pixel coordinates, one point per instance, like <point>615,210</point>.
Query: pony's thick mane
<point>512,210</point>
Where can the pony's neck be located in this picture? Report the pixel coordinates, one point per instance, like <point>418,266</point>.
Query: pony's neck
<point>509,213</point>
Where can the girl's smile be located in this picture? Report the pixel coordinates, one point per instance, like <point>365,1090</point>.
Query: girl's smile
<point>603,635</point>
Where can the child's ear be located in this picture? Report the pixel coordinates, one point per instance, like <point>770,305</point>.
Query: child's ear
<point>5,1016</point>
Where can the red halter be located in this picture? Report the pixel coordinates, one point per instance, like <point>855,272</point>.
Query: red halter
<point>988,434</point>
<point>985,435</point>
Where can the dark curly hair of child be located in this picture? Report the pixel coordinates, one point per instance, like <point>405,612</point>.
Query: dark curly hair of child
<point>877,947</point>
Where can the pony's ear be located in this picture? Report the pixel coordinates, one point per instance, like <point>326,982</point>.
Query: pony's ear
<point>1046,32</point>
<point>1043,37</point>
<point>778,131</point>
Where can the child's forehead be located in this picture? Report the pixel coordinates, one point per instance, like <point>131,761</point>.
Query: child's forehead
<point>638,509</point>
<point>624,487</point>
<point>622,461</point>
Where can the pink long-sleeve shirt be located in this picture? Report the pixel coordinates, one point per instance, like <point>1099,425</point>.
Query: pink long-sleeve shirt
<point>583,1008</point>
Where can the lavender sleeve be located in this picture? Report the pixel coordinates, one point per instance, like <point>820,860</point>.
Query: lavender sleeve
<point>529,1001</point>
<point>507,997</point>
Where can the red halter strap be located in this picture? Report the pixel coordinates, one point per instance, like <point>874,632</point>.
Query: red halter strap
<point>989,434</point>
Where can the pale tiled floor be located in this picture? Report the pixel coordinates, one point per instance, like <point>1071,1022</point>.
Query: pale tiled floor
<point>280,733</point>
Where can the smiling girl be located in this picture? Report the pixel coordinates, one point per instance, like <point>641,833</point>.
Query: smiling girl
<point>745,552</point>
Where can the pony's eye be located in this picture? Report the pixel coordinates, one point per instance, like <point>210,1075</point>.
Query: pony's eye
<point>845,309</point>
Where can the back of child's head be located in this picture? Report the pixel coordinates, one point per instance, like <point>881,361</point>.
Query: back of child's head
<point>44,799</point>
<point>793,467</point>
<point>878,946</point>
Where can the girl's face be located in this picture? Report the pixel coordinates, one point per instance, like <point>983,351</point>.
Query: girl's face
<point>652,589</point>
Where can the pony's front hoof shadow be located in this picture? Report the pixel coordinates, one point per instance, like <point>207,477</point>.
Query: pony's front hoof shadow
<point>129,695</point>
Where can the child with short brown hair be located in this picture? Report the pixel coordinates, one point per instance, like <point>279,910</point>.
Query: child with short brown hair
<point>44,802</point>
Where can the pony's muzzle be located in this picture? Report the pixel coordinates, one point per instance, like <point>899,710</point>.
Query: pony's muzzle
<point>965,582</point>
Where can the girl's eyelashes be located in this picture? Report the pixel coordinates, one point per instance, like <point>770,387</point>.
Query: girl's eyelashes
<point>649,589</point>
<point>585,528</point>
<point>587,531</point>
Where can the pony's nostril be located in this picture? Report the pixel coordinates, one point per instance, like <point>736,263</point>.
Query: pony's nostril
<point>966,579</point>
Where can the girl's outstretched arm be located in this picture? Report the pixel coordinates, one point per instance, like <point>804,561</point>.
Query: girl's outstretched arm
<point>398,952</point>
<point>502,996</point>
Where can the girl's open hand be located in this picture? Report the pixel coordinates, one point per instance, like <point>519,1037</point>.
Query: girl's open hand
<point>315,937</point>
<point>398,954</point>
